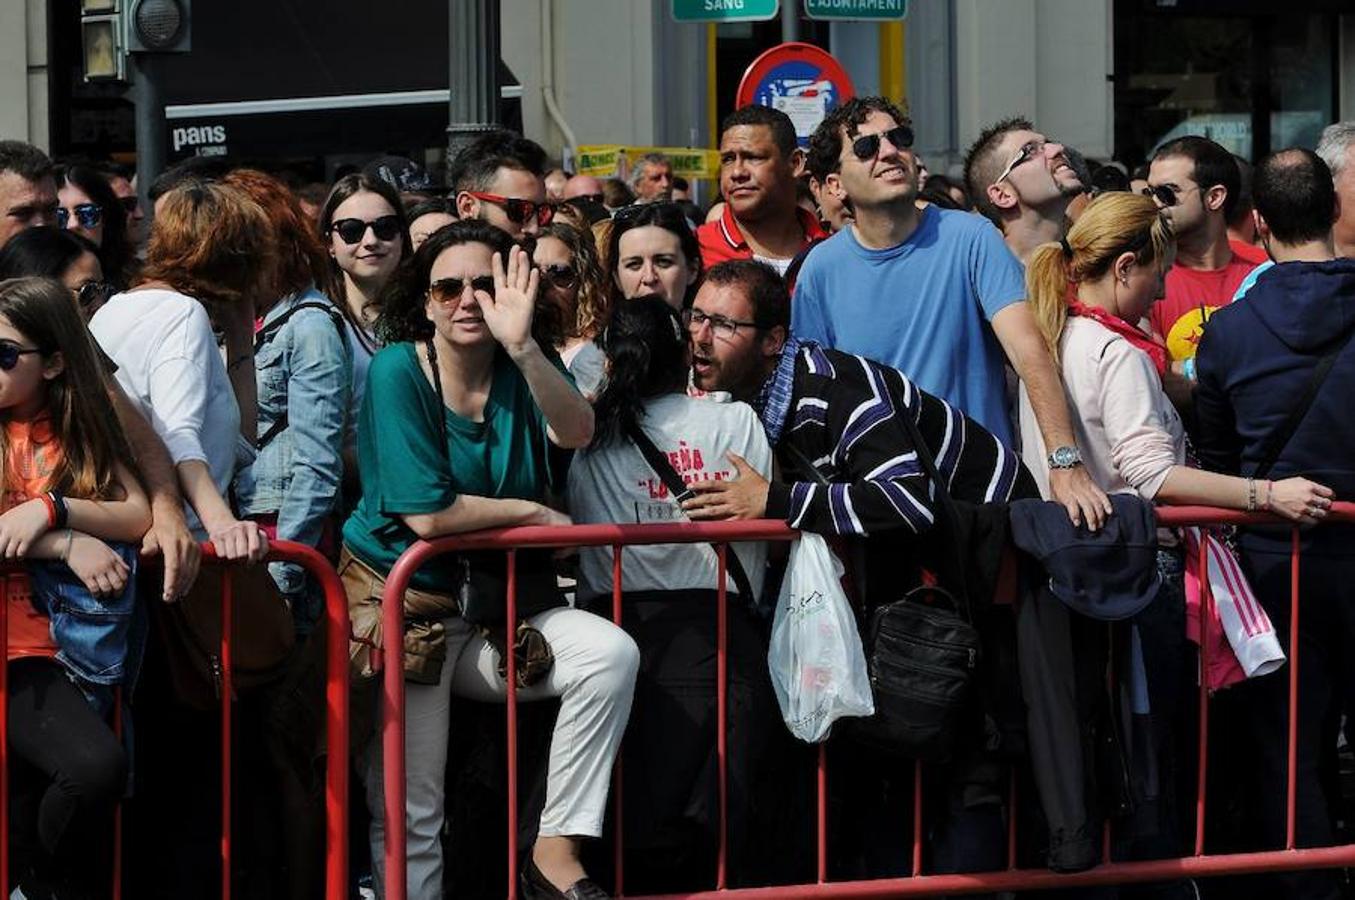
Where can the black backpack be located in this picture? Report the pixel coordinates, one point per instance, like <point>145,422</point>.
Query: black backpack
<point>922,650</point>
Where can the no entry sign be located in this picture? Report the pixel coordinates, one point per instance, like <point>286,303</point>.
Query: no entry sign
<point>803,81</point>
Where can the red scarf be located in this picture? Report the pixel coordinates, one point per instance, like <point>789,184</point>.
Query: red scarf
<point>1156,352</point>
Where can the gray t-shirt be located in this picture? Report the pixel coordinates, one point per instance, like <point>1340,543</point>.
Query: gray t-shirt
<point>615,484</point>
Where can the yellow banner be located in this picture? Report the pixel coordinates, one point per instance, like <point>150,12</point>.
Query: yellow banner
<point>608,160</point>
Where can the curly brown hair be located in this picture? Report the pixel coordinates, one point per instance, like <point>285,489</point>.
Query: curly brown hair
<point>211,242</point>
<point>593,307</point>
<point>301,259</point>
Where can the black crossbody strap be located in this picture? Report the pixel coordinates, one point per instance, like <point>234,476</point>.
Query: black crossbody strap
<point>1280,438</point>
<point>678,488</point>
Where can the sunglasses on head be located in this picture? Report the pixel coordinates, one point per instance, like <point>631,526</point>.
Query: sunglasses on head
<point>10,353</point>
<point>867,146</point>
<point>352,231</point>
<point>447,290</point>
<point>93,292</point>
<point>517,209</point>
<point>562,276</point>
<point>585,198</point>
<point>89,215</point>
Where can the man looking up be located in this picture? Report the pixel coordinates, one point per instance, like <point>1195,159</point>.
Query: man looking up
<point>1023,182</point>
<point>1196,182</point>
<point>652,179</point>
<point>27,189</point>
<point>498,178</point>
<point>933,293</point>
<point>759,161</point>
<point>1337,149</point>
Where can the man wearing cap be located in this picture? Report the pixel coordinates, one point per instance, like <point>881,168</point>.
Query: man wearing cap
<point>759,161</point>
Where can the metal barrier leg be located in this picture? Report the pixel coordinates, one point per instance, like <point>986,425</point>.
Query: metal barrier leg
<point>227,602</point>
<point>4,735</point>
<point>512,667</point>
<point>1202,763</point>
<point>393,743</point>
<point>617,805</point>
<point>1291,787</point>
<point>722,714</point>
<point>821,808</point>
<point>117,810</point>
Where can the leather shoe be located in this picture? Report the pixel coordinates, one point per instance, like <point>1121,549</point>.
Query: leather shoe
<point>536,886</point>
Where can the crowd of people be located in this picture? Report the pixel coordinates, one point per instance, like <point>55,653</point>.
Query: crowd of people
<point>925,369</point>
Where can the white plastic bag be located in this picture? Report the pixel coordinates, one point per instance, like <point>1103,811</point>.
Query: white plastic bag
<point>817,664</point>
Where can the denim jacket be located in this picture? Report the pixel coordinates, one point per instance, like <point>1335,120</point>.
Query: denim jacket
<point>304,373</point>
<point>100,640</point>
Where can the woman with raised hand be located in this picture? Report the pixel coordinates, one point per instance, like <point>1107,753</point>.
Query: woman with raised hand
<point>462,408</point>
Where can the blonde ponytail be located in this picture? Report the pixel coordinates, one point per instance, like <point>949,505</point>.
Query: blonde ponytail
<point>1114,223</point>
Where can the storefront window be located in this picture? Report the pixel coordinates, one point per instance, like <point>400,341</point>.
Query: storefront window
<point>1251,83</point>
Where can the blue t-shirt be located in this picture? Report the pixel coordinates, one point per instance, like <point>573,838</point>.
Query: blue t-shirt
<point>922,307</point>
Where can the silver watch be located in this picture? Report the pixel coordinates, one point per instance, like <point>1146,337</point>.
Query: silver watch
<point>1065,458</point>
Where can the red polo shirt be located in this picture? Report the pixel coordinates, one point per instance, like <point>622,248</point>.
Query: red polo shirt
<point>722,240</point>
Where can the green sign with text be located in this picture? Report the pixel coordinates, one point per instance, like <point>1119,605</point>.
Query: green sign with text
<point>724,10</point>
<point>875,10</point>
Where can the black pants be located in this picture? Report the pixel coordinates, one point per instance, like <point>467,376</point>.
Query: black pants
<point>1326,634</point>
<point>67,771</point>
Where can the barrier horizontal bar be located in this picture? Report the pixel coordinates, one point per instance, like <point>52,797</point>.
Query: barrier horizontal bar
<point>1171,516</point>
<point>1040,879</point>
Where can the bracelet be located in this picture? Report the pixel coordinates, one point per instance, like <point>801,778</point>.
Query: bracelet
<point>70,539</point>
<point>51,508</point>
<point>1270,492</point>
<point>1251,495</point>
<point>63,513</point>
<point>1188,369</point>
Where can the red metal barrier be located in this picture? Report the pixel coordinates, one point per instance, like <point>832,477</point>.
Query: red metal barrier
<point>336,721</point>
<point>1108,872</point>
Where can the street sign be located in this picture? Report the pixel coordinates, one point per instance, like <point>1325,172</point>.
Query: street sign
<point>872,10</point>
<point>725,10</point>
<point>614,160</point>
<point>803,81</point>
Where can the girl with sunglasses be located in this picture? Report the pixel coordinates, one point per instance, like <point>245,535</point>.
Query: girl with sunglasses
<point>462,408</point>
<point>573,281</point>
<point>74,512</point>
<point>63,255</point>
<point>653,250</point>
<point>366,236</point>
<point>88,207</point>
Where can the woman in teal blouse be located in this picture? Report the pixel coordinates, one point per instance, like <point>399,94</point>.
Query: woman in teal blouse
<point>471,455</point>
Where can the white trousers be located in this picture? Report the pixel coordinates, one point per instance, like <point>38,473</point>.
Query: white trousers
<point>594,677</point>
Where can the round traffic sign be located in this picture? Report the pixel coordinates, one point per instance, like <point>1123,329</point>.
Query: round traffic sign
<point>803,81</point>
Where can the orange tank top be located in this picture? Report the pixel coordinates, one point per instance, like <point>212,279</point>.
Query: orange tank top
<point>32,453</point>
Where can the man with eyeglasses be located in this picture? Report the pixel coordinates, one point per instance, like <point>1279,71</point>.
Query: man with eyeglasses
<point>762,220</point>
<point>933,293</point>
<point>1196,183</point>
<point>1023,182</point>
<point>121,179</point>
<point>27,189</point>
<point>844,415</point>
<point>499,178</point>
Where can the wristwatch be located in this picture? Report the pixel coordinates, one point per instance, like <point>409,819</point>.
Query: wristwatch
<point>1065,458</point>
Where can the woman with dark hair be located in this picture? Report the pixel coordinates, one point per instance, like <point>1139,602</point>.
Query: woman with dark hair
<point>669,597</point>
<point>427,216</point>
<point>366,235</point>
<point>574,283</point>
<point>303,379</point>
<point>462,407</point>
<point>89,208</point>
<point>66,256</point>
<point>653,250</point>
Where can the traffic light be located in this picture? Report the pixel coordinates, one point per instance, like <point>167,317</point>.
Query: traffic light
<point>159,26</point>
<point>101,36</point>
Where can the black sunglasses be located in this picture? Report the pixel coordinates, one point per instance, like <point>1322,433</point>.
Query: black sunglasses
<point>89,215</point>
<point>10,353</point>
<point>867,146</point>
<point>1164,194</point>
<point>352,231</point>
<point>445,290</point>
<point>562,276</point>
<point>585,198</point>
<point>93,292</point>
